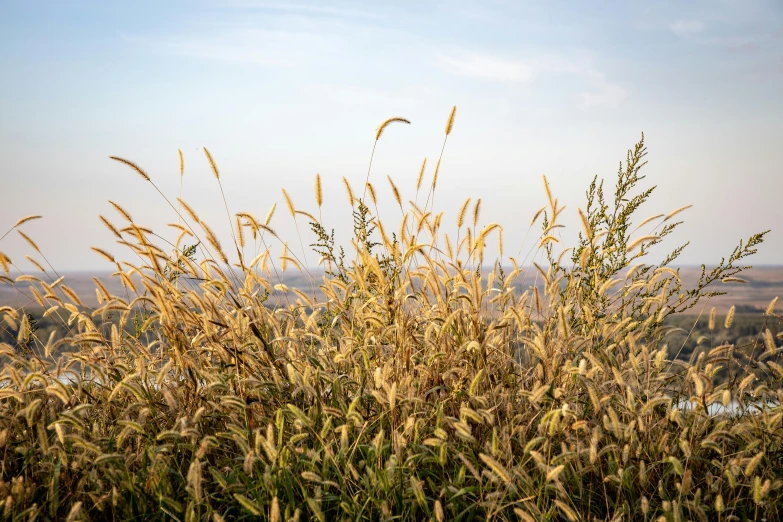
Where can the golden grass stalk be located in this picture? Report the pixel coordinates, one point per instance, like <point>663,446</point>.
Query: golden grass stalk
<point>29,241</point>
<point>269,214</point>
<point>450,123</point>
<point>212,164</point>
<point>289,202</point>
<point>396,192</point>
<point>319,196</point>
<point>675,212</point>
<point>771,307</point>
<point>421,175</point>
<point>133,166</point>
<point>124,213</point>
<point>387,123</point>
<point>729,317</point>
<point>111,227</point>
<point>348,190</point>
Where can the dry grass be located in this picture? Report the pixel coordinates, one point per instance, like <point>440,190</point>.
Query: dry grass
<point>418,388</point>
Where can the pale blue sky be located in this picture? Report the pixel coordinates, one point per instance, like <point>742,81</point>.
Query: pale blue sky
<point>279,91</point>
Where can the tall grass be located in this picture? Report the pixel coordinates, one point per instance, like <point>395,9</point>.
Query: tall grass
<point>420,387</point>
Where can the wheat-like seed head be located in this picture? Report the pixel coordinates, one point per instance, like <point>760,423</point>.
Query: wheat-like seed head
<point>25,220</point>
<point>212,163</point>
<point>29,240</point>
<point>651,218</point>
<point>476,211</point>
<point>396,192</point>
<point>105,254</point>
<point>675,212</point>
<point>5,261</point>
<point>639,240</point>
<point>450,123</point>
<point>181,163</point>
<point>371,190</point>
<point>421,174</point>
<point>729,318</point>
<point>771,307</point>
<point>290,203</point>
<point>284,257</point>
<point>548,193</point>
<point>536,215</point>
<point>111,227</point>
<point>585,225</point>
<point>711,322</point>
<point>435,176</point>
<point>461,214</point>
<point>319,196</point>
<point>240,233</point>
<point>386,123</point>
<point>269,214</point>
<point>133,166</point>
<point>122,211</point>
<point>348,190</point>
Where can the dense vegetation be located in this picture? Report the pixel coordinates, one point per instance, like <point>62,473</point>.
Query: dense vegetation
<point>420,387</point>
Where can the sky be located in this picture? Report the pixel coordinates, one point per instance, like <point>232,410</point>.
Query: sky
<point>280,91</point>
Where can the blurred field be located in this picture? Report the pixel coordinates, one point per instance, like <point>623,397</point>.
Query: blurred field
<point>764,284</point>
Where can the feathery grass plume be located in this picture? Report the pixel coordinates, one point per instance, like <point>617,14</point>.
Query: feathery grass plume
<point>181,163</point>
<point>651,218</point>
<point>5,261</point>
<point>450,123</point>
<point>585,225</point>
<point>386,124</point>
<point>111,227</point>
<point>435,176</point>
<point>461,214</point>
<point>548,193</point>
<point>396,192</point>
<point>29,241</point>
<point>537,215</point>
<point>240,233</point>
<point>269,214</point>
<point>639,240</point>
<point>771,307</point>
<point>133,166</point>
<point>25,220</point>
<point>124,213</point>
<point>375,144</point>
<point>212,164</point>
<point>104,254</point>
<point>348,190</point>
<point>729,317</point>
<point>284,257</point>
<point>189,210</point>
<point>675,212</point>
<point>319,196</point>
<point>711,322</point>
<point>421,174</point>
<point>371,189</point>
<point>476,212</point>
<point>290,204</point>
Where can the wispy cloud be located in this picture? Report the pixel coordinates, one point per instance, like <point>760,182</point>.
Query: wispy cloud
<point>488,67</point>
<point>301,8</point>
<point>597,89</point>
<point>270,47</point>
<point>686,27</point>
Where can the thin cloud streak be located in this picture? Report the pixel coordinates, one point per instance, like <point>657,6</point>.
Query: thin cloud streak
<point>598,90</point>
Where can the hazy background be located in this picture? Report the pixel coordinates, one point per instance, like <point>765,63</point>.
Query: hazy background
<point>281,91</point>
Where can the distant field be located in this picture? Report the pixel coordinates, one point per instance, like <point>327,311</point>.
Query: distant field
<point>764,284</point>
